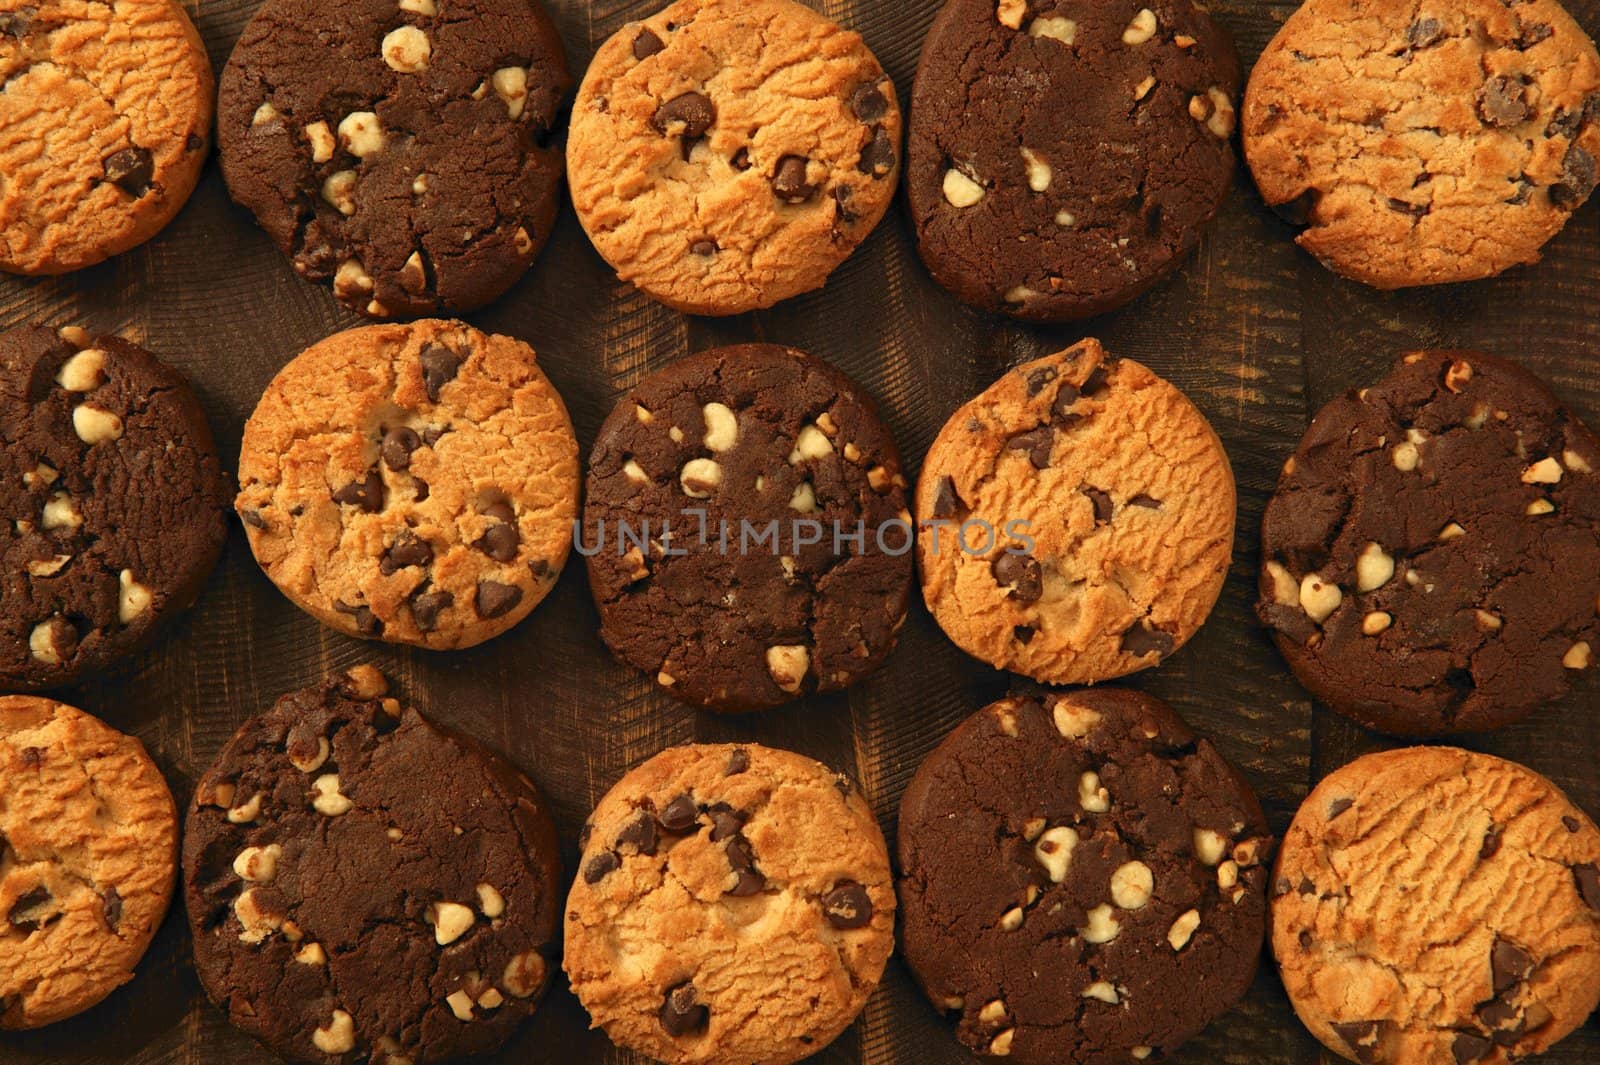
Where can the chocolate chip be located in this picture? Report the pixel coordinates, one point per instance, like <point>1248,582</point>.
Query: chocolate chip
<point>496,600</point>
<point>398,444</point>
<point>366,494</point>
<point>647,44</point>
<point>680,1014</point>
<point>1532,35</point>
<point>640,835</point>
<point>1306,887</point>
<point>367,623</point>
<point>131,170</point>
<point>1146,501</point>
<point>946,503</point>
<point>1424,32</point>
<point>32,757</point>
<point>1571,823</point>
<point>841,196</point>
<point>420,487</point>
<point>742,858</point>
<point>1040,377</point>
<point>1503,101</point>
<point>25,915</point>
<point>500,542</point>
<point>17,23</point>
<point>1588,877</point>
<point>1578,177</point>
<point>1061,409</point>
<point>1102,505</point>
<point>540,568</point>
<point>704,246</point>
<point>193,143</point>
<point>738,762</point>
<point>878,157</point>
<point>426,607</point>
<point>1509,964</point>
<point>1360,1037</point>
<point>847,906</point>
<point>408,549</point>
<point>601,866</point>
<point>692,109</point>
<point>680,816</point>
<point>1339,806</point>
<point>1500,1017</point>
<point>1021,573</point>
<point>1491,842</point>
<point>868,102</point>
<point>1565,123</point>
<point>1144,639</point>
<point>439,368</point>
<point>789,180</point>
<point>1023,634</point>
<point>740,160</point>
<point>725,822</point>
<point>111,907</point>
<point>252,517</point>
<point>1415,210</point>
<point>1096,382</point>
<point>1038,443</point>
<point>1469,1046</point>
<point>1281,887</point>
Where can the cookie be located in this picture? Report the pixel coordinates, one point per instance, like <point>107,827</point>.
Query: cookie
<point>402,150</point>
<point>1075,519</point>
<point>1432,906</point>
<point>1425,143</point>
<point>725,156</point>
<point>1083,880</point>
<point>1066,155</point>
<point>121,95</point>
<point>734,907</point>
<point>411,483</point>
<point>88,843</point>
<point>365,886</point>
<point>1431,559</point>
<point>746,529</point>
<point>112,511</point>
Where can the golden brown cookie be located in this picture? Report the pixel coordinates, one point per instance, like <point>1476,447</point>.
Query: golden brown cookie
<point>88,843</point>
<point>725,156</point>
<point>734,907</point>
<point>104,121</point>
<point>1432,906</point>
<point>411,483</point>
<point>1425,143</point>
<point>1075,519</point>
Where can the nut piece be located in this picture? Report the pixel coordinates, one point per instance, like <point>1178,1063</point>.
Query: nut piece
<point>133,598</point>
<point>259,865</point>
<point>1132,885</point>
<point>1103,926</point>
<point>788,665</point>
<point>1209,846</point>
<point>1055,28</point>
<point>1091,796</point>
<point>810,443</point>
<point>1073,721</point>
<point>1103,991</point>
<point>406,49</point>
<point>1039,172</point>
<point>524,974</point>
<point>1376,622</point>
<point>361,134</point>
<point>1285,592</point>
<point>511,85</point>
<point>960,190</point>
<point>1374,569</point>
<point>722,427</point>
<point>83,372</point>
<point>490,901</point>
<point>1545,471</point>
<point>1319,598</point>
<point>700,478</point>
<point>339,1037</point>
<point>1054,851</point>
<point>1141,29</point>
<point>1578,656</point>
<point>322,142</point>
<point>1182,929</point>
<point>329,801</point>
<point>338,192</point>
<point>450,921</point>
<point>95,426</point>
<point>1011,13</point>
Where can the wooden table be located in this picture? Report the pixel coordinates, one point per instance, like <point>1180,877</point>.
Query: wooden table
<point>1252,329</point>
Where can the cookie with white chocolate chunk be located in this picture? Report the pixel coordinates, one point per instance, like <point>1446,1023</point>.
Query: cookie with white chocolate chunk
<point>1083,880</point>
<point>365,886</point>
<point>1431,559</point>
<point>111,503</point>
<point>399,148</point>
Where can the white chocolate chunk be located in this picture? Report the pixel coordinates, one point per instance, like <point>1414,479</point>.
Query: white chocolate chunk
<point>1054,27</point>
<point>329,802</point>
<point>511,85</point>
<point>315,762</point>
<point>491,902</point>
<point>1000,1045</point>
<point>810,443</point>
<point>450,921</point>
<point>94,425</point>
<point>635,472</point>
<point>1073,721</point>
<point>246,812</point>
<point>256,923</point>
<point>1091,796</point>
<point>1054,851</point>
<point>264,114</point>
<point>259,865</point>
<point>338,191</point>
<point>1376,622</point>
<point>524,974</point>
<point>804,499</point>
<point>993,1012</point>
<point>1374,569</point>
<point>1540,506</point>
<point>42,643</point>
<point>47,567</point>
<point>1404,456</point>
<point>1038,170</point>
<point>1575,462</point>
<point>460,1003</point>
<point>1285,592</point>
<point>1319,598</point>
<point>1010,13</point>
<point>1102,991</point>
<point>722,427</point>
<point>311,954</point>
<point>788,665</point>
<point>406,49</point>
<point>322,142</point>
<point>1209,846</point>
<point>133,598</point>
<point>361,134</point>
<point>960,190</point>
<point>428,8</point>
<point>339,1037</point>
<point>1103,925</point>
<point>1132,885</point>
<point>1578,656</point>
<point>1545,471</point>
<point>1141,29</point>
<point>83,372</point>
<point>1182,929</point>
<point>351,279</point>
<point>700,478</point>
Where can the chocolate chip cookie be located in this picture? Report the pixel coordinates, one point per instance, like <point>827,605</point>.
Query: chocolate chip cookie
<point>1431,560</point>
<point>734,907</point>
<point>1075,519</point>
<point>1083,880</point>
<point>400,149</point>
<point>88,843</point>
<point>105,115</point>
<point>746,530</point>
<point>1066,155</point>
<point>1432,906</point>
<point>411,483</point>
<point>725,156</point>
<point>112,510</point>
<point>1425,143</point>
<point>365,886</point>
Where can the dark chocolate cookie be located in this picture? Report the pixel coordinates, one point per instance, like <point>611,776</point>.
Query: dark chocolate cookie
<point>399,148</point>
<point>1431,560</point>
<point>1082,880</point>
<point>746,529</point>
<point>1065,155</point>
<point>364,886</point>
<point>111,514</point>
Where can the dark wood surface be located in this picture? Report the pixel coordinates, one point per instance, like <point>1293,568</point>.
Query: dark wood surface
<point>1257,333</point>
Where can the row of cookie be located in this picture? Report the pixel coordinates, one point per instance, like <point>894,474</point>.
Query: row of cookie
<point>727,155</point>
<point>1431,559</point>
<point>1082,879</point>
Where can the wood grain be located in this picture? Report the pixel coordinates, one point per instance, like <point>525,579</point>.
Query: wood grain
<point>1252,329</point>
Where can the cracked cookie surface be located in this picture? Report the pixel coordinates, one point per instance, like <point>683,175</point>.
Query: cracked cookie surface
<point>1431,558</point>
<point>399,148</point>
<point>1076,519</point>
<point>105,116</point>
<point>365,886</point>
<point>1082,879</point>
<point>750,458</point>
<point>1425,142</point>
<point>1066,155</point>
<point>411,483</point>
<point>1432,906</point>
<point>725,156</point>
<point>734,906</point>
<point>112,506</point>
<point>88,843</point>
